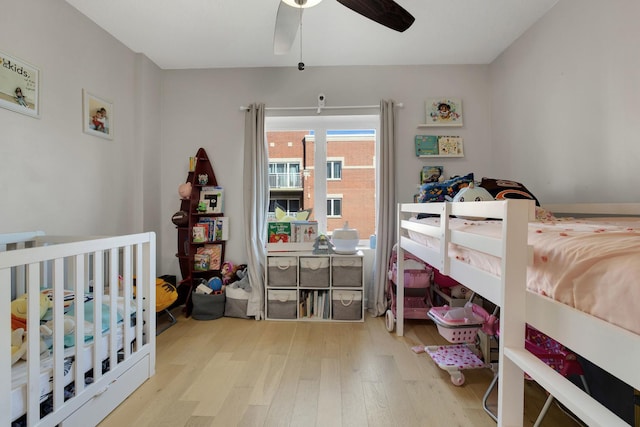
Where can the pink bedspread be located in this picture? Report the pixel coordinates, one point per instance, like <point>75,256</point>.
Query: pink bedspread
<point>590,264</point>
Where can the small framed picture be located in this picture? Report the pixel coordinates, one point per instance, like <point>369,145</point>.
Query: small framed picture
<point>19,86</point>
<point>97,115</point>
<point>443,112</point>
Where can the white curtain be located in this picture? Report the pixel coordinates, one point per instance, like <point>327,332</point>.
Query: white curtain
<point>386,221</point>
<point>256,203</point>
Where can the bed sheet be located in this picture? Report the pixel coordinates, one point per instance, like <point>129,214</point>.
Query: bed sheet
<point>591,264</point>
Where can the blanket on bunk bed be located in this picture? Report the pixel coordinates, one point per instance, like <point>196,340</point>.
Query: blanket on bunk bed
<point>590,264</point>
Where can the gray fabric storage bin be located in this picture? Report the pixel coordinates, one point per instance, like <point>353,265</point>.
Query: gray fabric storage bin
<point>207,306</point>
<point>281,304</point>
<point>346,271</point>
<point>347,305</point>
<point>282,271</point>
<point>314,272</point>
<point>236,301</point>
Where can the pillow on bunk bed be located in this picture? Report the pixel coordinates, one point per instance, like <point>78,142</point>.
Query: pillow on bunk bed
<point>443,191</point>
<point>502,189</point>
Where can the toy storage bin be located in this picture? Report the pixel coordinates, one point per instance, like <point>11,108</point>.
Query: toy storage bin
<point>456,324</point>
<point>281,304</point>
<point>347,305</point>
<point>347,271</point>
<point>314,272</point>
<point>207,306</point>
<point>282,271</point>
<point>236,302</point>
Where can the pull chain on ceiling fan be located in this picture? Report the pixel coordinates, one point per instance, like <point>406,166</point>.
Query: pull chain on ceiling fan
<point>301,64</point>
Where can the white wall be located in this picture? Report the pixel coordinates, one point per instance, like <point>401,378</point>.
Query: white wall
<point>200,108</point>
<point>54,177</point>
<point>566,104</point>
<point>558,111</point>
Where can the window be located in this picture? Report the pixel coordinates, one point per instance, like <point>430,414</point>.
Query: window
<point>284,175</point>
<point>334,169</point>
<point>334,207</point>
<point>334,159</point>
<point>289,205</point>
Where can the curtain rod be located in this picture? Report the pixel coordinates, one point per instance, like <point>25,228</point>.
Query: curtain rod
<point>318,109</point>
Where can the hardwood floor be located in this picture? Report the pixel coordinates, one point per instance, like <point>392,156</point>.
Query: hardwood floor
<point>235,372</point>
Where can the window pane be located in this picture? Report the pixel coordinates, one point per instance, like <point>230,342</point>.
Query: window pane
<point>354,179</point>
<point>337,207</point>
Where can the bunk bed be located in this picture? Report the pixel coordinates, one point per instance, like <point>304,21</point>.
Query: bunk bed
<point>96,297</point>
<point>500,259</point>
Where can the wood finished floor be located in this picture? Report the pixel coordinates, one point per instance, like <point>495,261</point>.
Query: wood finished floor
<point>235,372</point>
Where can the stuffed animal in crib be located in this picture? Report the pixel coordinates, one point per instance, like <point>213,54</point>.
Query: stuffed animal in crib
<point>19,310</point>
<point>46,330</point>
<point>19,345</point>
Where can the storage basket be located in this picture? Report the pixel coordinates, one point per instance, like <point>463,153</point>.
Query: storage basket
<point>236,302</point>
<point>282,271</point>
<point>347,305</point>
<point>456,324</point>
<point>314,272</point>
<point>207,306</point>
<point>281,304</point>
<point>347,271</point>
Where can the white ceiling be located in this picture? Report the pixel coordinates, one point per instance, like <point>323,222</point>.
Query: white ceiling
<point>184,34</point>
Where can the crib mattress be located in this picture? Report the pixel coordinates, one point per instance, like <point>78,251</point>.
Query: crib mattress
<point>589,264</point>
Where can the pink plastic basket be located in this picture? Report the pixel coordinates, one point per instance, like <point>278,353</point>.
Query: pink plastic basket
<point>456,324</point>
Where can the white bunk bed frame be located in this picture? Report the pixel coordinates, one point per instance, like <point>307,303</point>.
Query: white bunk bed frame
<point>31,260</point>
<point>612,348</point>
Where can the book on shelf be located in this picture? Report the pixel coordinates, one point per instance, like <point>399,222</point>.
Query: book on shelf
<point>222,228</point>
<point>430,174</point>
<point>213,198</point>
<point>304,231</point>
<point>279,232</point>
<point>215,253</point>
<point>210,223</point>
<point>201,262</point>
<point>200,233</point>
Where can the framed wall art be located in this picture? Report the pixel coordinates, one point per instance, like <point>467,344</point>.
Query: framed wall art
<point>19,86</point>
<point>443,112</point>
<point>97,117</point>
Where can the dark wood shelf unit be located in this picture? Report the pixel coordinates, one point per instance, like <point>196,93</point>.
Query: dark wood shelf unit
<point>186,246</point>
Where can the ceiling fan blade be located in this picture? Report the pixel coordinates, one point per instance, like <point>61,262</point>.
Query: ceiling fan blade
<point>385,12</point>
<point>287,24</point>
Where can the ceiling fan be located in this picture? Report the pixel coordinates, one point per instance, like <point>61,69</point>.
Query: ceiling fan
<point>288,20</point>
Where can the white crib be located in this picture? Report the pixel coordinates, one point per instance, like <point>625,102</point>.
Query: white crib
<point>82,376</point>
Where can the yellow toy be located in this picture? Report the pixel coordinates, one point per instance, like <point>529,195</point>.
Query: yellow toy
<point>19,326</point>
<point>19,310</point>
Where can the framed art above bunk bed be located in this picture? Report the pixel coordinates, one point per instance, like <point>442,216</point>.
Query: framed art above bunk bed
<point>94,317</point>
<point>576,280</point>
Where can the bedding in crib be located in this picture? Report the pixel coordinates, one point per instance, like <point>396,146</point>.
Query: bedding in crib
<point>19,369</point>
<point>589,264</point>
